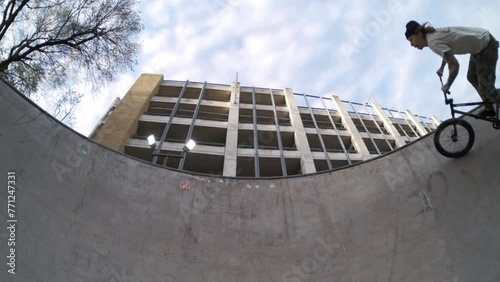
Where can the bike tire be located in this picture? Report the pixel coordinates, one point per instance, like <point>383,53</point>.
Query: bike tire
<point>454,147</point>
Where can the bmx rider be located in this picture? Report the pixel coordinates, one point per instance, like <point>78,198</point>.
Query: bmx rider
<point>450,41</point>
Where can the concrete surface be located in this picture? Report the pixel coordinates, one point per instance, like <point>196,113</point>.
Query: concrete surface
<point>85,213</point>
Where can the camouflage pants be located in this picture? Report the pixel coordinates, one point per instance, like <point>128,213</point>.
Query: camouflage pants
<point>481,73</point>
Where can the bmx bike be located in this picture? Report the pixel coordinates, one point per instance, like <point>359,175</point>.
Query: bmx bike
<point>454,137</point>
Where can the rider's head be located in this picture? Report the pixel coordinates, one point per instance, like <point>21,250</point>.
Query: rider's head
<point>416,34</point>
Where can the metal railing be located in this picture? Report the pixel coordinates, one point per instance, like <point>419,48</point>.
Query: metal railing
<point>188,114</point>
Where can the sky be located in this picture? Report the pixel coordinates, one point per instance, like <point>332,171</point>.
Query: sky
<point>349,48</point>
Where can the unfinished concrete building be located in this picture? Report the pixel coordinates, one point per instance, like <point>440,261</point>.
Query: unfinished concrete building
<point>248,131</point>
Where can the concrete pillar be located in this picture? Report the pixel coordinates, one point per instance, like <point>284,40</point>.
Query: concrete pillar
<point>306,159</point>
<point>435,120</point>
<point>389,125</point>
<point>356,138</point>
<point>420,128</point>
<point>231,149</point>
<point>123,122</point>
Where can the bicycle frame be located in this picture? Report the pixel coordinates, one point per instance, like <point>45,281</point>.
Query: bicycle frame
<point>453,105</point>
<point>454,111</point>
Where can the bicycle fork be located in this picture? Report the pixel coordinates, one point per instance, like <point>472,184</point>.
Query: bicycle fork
<point>454,136</point>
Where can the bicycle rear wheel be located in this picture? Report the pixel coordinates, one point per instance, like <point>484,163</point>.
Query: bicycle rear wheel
<point>454,138</point>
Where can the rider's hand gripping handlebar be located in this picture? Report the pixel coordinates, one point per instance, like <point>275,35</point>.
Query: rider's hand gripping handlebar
<point>446,100</point>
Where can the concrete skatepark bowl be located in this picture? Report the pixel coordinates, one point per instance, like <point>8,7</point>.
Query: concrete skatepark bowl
<point>86,213</point>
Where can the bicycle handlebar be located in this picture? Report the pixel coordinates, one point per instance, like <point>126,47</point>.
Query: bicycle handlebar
<point>446,100</point>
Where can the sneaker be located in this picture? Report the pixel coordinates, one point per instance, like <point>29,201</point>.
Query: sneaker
<point>487,113</point>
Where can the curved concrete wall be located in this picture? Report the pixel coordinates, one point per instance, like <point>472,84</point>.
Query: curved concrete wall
<point>85,213</point>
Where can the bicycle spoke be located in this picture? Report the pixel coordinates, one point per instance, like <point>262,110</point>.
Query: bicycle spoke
<point>450,145</point>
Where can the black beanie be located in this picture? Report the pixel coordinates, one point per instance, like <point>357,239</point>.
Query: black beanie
<point>411,28</point>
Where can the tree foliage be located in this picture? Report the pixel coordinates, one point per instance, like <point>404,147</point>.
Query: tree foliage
<point>56,44</point>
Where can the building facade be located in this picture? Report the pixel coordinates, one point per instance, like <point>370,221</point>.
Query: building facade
<point>247,131</point>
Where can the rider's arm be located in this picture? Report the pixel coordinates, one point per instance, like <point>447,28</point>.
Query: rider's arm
<point>453,67</point>
<point>441,68</point>
<point>443,63</point>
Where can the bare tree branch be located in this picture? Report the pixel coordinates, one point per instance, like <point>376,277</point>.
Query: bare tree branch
<point>10,15</point>
<point>59,42</point>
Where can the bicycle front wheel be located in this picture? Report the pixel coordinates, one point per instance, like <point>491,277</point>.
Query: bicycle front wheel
<point>454,138</point>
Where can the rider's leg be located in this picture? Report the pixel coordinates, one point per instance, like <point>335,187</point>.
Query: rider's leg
<point>486,62</point>
<point>473,78</point>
